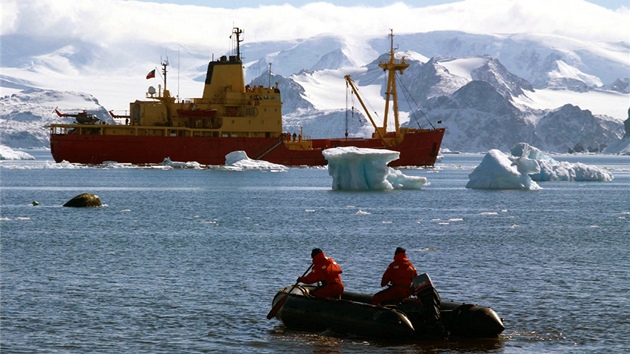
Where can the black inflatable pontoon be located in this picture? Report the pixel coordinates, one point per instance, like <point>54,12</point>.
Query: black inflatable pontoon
<point>423,316</point>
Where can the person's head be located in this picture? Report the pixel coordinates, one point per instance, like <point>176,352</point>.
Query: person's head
<point>400,253</point>
<point>315,252</point>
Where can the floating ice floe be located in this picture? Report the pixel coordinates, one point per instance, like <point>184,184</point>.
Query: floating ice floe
<point>525,167</point>
<point>62,165</point>
<point>6,153</point>
<point>552,170</point>
<point>175,164</point>
<point>355,168</point>
<point>239,161</point>
<point>114,164</point>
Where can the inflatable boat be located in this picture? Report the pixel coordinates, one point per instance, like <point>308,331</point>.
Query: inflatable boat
<point>422,316</point>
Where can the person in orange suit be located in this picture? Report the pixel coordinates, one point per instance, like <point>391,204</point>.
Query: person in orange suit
<point>328,273</point>
<point>399,277</point>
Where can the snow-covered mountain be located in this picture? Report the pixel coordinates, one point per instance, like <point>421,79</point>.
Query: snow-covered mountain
<point>555,91</point>
<point>25,115</point>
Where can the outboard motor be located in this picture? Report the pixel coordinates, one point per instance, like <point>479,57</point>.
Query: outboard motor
<point>425,291</point>
<point>424,312</point>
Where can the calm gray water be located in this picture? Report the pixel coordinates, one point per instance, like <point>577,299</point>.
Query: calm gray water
<point>188,261</point>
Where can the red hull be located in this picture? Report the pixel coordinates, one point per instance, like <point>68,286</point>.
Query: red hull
<point>417,149</point>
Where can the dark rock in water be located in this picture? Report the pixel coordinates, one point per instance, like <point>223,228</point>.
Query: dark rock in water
<point>85,200</point>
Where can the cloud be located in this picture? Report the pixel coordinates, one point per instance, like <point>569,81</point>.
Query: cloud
<point>9,18</point>
<point>109,22</point>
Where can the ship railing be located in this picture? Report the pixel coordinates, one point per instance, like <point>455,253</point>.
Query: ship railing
<point>275,144</point>
<point>135,130</point>
<point>122,129</point>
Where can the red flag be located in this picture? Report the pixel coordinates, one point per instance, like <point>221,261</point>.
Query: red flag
<point>151,74</point>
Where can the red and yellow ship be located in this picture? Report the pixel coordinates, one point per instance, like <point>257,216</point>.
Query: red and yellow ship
<point>229,116</point>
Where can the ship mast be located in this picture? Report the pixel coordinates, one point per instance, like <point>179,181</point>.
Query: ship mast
<point>164,65</point>
<point>391,66</point>
<point>391,94</point>
<point>237,32</point>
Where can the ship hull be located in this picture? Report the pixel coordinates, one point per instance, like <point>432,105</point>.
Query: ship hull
<point>417,149</point>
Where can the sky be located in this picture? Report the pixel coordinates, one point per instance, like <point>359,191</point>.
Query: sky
<point>85,20</point>
<point>234,4</point>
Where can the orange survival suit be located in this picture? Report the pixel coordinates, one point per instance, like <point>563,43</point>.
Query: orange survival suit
<point>400,274</point>
<point>326,271</point>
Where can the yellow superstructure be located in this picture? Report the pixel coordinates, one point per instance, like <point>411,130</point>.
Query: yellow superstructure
<point>227,107</point>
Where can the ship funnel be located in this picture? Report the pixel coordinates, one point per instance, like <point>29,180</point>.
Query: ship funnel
<point>225,74</point>
<point>222,75</point>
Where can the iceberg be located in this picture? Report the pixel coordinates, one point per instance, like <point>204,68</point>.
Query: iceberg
<point>526,166</point>
<point>6,153</point>
<point>177,164</point>
<point>552,170</point>
<point>239,161</point>
<point>498,171</point>
<point>354,168</point>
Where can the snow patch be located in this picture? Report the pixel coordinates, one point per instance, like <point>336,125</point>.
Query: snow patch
<point>463,67</point>
<point>566,71</point>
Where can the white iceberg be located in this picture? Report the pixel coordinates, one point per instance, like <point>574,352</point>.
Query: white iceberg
<point>239,161</point>
<point>525,167</point>
<point>498,171</point>
<point>355,168</point>
<point>63,165</point>
<point>176,164</point>
<point>552,170</point>
<point>6,153</point>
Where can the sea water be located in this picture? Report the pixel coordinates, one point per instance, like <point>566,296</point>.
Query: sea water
<point>188,260</point>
